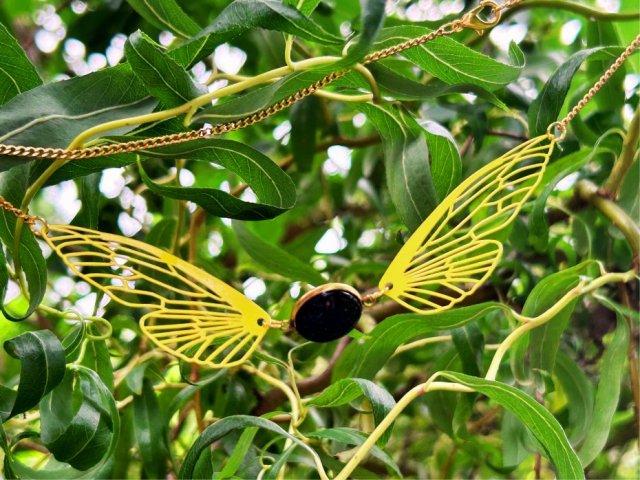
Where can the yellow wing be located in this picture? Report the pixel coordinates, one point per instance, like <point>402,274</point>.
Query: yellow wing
<point>192,314</point>
<point>451,254</point>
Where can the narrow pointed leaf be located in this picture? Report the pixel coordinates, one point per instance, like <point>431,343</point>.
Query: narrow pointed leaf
<point>607,395</point>
<point>273,187</point>
<point>536,418</point>
<point>407,165</point>
<point>580,396</point>
<point>13,185</point>
<point>350,436</point>
<point>452,62</point>
<point>166,80</point>
<point>244,15</point>
<point>52,115</point>
<point>274,258</point>
<point>348,389</point>
<point>149,431</point>
<point>17,74</point>
<point>546,108</point>
<point>371,21</point>
<point>42,362</point>
<point>364,359</point>
<point>166,15</point>
<point>223,427</point>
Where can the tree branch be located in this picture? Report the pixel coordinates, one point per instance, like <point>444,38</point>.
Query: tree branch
<point>275,397</point>
<point>590,13</point>
<point>589,192</point>
<point>626,158</point>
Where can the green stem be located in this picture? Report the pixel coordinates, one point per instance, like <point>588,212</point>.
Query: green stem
<point>589,192</point>
<point>191,107</point>
<point>578,8</point>
<point>421,343</point>
<point>341,97</point>
<point>24,206</point>
<point>626,158</point>
<point>288,46</point>
<point>368,76</point>
<point>529,323</point>
<point>410,396</point>
<point>175,248</point>
<point>37,185</point>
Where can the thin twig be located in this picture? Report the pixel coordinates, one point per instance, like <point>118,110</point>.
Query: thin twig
<point>275,397</point>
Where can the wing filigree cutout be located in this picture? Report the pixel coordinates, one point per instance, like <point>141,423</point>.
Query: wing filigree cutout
<point>191,314</point>
<point>452,253</point>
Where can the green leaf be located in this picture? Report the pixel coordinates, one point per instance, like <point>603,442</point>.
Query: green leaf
<point>516,441</point>
<point>166,15</point>
<point>441,404</point>
<point>80,425</point>
<point>371,21</point>
<point>4,274</point>
<point>17,74</point>
<point>13,186</point>
<point>538,228</point>
<point>256,99</point>
<point>244,15</point>
<point>364,358</point>
<point>545,340</point>
<point>275,258</point>
<point>87,166</point>
<point>620,309</point>
<point>42,363</point>
<point>453,62</point>
<point>72,342</point>
<point>579,392</point>
<point>446,165</point>
<point>7,470</point>
<point>546,107</point>
<point>306,7</point>
<point>607,395</point>
<point>351,436</point>
<point>96,357</point>
<point>165,79</point>
<point>239,453</point>
<point>89,195</point>
<point>52,115</point>
<point>222,427</point>
<point>149,428</point>
<point>269,182</point>
<point>406,155</point>
<point>537,419</point>
<point>348,389</point>
<point>469,343</point>
<point>397,79</point>
<point>304,118</point>
<point>162,233</point>
<point>611,95</point>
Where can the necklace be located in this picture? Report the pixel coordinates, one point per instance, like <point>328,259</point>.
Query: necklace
<point>200,319</point>
<point>473,19</point>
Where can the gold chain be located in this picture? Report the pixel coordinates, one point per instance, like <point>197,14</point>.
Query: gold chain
<point>561,125</point>
<point>471,20</point>
<point>31,220</point>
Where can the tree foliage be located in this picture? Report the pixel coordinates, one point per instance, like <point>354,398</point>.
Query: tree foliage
<point>536,372</point>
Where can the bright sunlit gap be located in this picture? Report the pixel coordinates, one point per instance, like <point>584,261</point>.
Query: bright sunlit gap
<point>333,239</point>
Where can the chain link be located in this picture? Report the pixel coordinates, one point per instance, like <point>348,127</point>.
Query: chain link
<point>31,220</point>
<point>469,20</point>
<point>561,125</point>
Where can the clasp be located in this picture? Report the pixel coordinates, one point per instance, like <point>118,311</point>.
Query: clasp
<point>474,21</point>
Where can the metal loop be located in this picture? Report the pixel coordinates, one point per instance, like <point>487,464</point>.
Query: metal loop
<point>561,131</point>
<point>38,225</point>
<point>474,21</point>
